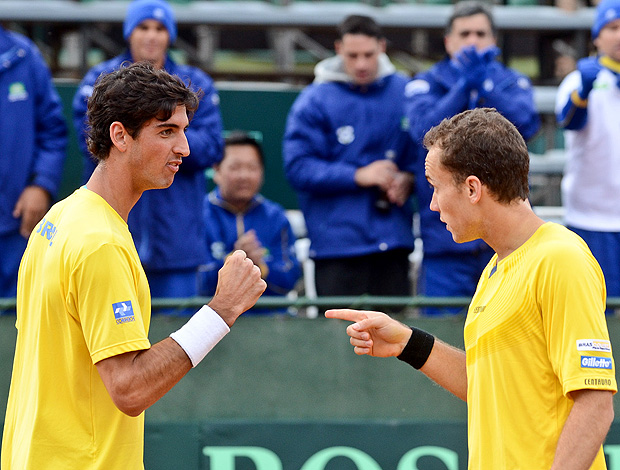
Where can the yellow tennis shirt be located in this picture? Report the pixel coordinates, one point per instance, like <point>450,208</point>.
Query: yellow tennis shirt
<point>535,332</point>
<point>82,297</point>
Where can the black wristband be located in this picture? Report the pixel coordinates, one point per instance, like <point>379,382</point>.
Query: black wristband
<point>418,348</point>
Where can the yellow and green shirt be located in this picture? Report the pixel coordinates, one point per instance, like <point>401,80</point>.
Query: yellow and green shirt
<point>82,297</point>
<point>535,332</point>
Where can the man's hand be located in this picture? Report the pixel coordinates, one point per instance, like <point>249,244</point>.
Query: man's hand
<point>373,333</point>
<point>31,206</point>
<point>379,173</point>
<point>252,246</point>
<point>239,286</point>
<point>489,54</point>
<point>401,188</point>
<point>473,64</point>
<point>588,69</point>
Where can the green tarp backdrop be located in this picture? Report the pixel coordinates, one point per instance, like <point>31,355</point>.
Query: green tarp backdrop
<point>290,394</point>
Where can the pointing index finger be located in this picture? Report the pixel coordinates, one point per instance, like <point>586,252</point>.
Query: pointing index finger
<point>346,314</point>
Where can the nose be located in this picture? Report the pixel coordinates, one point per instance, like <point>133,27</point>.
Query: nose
<point>434,206</point>
<point>182,148</point>
<point>472,40</point>
<point>361,63</point>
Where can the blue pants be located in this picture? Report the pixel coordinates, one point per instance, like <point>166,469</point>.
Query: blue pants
<point>605,247</point>
<point>451,275</point>
<point>12,246</point>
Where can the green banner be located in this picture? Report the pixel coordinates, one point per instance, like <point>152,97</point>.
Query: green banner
<point>356,445</point>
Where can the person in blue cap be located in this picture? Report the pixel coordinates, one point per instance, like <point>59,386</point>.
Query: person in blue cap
<point>587,107</point>
<point>166,224</point>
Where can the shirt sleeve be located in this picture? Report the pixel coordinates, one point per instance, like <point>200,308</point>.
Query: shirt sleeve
<point>568,114</point>
<point>572,299</point>
<point>110,302</point>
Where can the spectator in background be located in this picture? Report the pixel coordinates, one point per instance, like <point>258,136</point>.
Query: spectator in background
<point>166,223</point>
<point>347,153</point>
<point>587,107</point>
<point>237,217</point>
<point>469,77</point>
<point>34,143</point>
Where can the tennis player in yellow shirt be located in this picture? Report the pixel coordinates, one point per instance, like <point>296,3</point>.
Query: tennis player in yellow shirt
<point>84,370</point>
<point>537,372</point>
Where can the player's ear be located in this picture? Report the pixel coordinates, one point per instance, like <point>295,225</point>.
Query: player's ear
<point>118,136</point>
<point>473,186</point>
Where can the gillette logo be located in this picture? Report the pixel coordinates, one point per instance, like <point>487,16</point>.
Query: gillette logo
<point>591,362</point>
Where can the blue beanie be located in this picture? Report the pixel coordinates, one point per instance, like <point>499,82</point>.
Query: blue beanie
<point>606,12</point>
<point>140,10</point>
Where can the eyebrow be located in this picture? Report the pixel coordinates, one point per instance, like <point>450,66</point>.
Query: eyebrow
<point>168,124</point>
<point>478,32</point>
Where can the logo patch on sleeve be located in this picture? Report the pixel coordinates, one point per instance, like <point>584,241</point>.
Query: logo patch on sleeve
<point>123,312</point>
<point>592,362</point>
<point>599,345</point>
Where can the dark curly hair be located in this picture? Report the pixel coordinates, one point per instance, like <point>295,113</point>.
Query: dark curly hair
<point>133,95</point>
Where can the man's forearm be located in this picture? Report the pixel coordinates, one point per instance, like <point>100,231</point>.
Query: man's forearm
<point>585,430</point>
<point>446,366</point>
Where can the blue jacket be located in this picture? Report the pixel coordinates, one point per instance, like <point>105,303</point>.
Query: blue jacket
<point>440,93</point>
<point>166,223</point>
<point>223,227</point>
<point>33,134</point>
<point>335,127</point>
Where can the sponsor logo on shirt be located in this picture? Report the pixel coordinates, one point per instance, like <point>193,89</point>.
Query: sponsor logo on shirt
<point>218,250</point>
<point>123,312</point>
<point>47,230</point>
<point>417,87</point>
<point>17,92</point>
<point>592,362</point>
<point>595,382</point>
<point>345,135</point>
<point>599,345</point>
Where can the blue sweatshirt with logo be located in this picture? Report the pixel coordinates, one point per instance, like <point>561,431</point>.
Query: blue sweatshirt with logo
<point>335,127</point>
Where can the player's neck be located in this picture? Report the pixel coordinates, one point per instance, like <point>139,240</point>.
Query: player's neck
<point>113,190</point>
<point>512,228</point>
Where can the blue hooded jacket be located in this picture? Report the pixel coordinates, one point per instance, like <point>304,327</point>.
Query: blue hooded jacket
<point>335,127</point>
<point>33,132</point>
<point>166,223</point>
<point>441,93</point>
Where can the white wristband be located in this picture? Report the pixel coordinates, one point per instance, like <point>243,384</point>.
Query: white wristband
<point>200,334</point>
